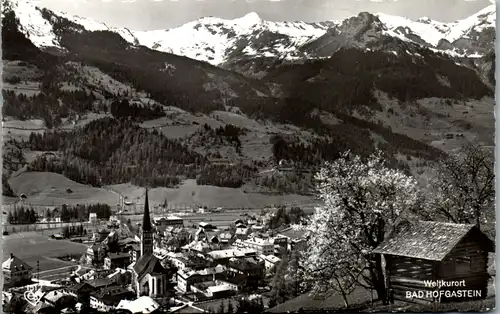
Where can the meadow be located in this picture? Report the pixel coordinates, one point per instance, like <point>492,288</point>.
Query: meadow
<point>34,246</point>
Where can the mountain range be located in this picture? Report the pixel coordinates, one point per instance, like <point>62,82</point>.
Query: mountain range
<point>229,99</point>
<point>219,41</point>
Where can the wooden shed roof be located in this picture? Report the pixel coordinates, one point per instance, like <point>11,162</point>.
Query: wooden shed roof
<point>427,240</point>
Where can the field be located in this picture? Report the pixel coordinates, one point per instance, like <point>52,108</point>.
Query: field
<point>428,120</point>
<point>189,194</point>
<point>21,130</point>
<point>50,189</point>
<point>32,247</point>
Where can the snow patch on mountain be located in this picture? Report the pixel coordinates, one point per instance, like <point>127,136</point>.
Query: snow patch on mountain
<point>92,26</point>
<point>32,24</point>
<point>478,22</point>
<point>427,30</point>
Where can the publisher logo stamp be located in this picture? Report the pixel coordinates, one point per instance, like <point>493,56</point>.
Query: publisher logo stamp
<point>33,297</point>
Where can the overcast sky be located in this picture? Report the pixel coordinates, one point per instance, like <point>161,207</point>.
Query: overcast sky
<point>161,14</point>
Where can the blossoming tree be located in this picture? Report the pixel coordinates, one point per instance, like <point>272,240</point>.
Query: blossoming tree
<point>463,187</point>
<point>363,201</point>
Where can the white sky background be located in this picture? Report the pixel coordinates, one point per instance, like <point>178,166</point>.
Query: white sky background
<point>162,14</point>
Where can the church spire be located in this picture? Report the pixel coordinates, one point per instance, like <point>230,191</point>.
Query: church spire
<point>146,221</point>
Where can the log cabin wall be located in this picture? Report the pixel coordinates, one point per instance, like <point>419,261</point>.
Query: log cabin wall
<point>408,274</point>
<point>467,261</point>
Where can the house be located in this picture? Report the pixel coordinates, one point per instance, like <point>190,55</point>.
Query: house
<point>187,277</point>
<point>53,296</point>
<point>180,234</point>
<point>200,234</point>
<point>95,254</point>
<point>100,235</point>
<point>420,253</point>
<point>188,260</point>
<point>197,246</point>
<point>225,238</point>
<point>210,289</point>
<point>297,239</point>
<point>242,233</point>
<point>223,256</point>
<point>206,226</point>
<point>280,240</point>
<point>270,262</point>
<point>262,246</point>
<point>237,282</point>
<point>250,266</point>
<point>108,298</point>
<point>117,260</point>
<point>82,290</point>
<point>16,271</point>
<point>93,218</point>
<point>120,277</point>
<point>163,222</point>
<point>219,291</point>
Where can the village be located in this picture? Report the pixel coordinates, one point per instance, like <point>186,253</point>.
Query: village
<point>163,265</point>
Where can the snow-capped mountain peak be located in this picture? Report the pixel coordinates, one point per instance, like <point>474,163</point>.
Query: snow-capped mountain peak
<point>249,20</point>
<point>213,39</point>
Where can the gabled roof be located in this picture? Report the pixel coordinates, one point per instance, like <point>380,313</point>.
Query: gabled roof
<point>100,282</point>
<point>428,240</point>
<point>148,264</point>
<point>15,264</point>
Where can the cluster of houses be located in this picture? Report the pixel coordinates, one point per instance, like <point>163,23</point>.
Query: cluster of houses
<point>168,259</point>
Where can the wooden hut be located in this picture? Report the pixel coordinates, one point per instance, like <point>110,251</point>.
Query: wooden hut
<point>420,255</point>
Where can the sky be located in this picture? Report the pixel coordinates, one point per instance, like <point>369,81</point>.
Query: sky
<point>163,14</point>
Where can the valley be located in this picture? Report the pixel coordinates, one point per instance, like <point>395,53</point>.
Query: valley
<point>286,153</point>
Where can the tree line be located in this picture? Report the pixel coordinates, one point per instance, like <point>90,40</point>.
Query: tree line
<point>22,215</point>
<point>82,212</point>
<point>123,108</point>
<point>70,231</point>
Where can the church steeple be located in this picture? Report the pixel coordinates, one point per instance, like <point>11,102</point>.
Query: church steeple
<point>146,220</point>
<point>147,230</point>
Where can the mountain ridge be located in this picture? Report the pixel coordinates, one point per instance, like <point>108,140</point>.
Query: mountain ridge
<point>218,41</point>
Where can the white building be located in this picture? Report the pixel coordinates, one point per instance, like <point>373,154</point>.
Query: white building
<point>16,270</point>
<point>260,245</point>
<point>93,218</point>
<point>162,223</point>
<point>270,261</point>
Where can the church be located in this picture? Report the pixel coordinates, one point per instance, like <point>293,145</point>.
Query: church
<point>149,277</point>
